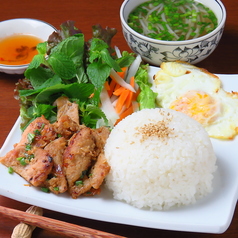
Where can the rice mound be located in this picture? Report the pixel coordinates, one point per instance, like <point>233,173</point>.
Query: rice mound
<point>159,158</point>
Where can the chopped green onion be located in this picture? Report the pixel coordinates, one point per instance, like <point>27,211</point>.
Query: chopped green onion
<point>28,146</point>
<point>30,137</point>
<point>22,160</point>
<point>45,190</point>
<point>79,182</point>
<point>42,126</point>
<point>10,170</point>
<point>37,132</point>
<point>171,20</point>
<point>31,156</point>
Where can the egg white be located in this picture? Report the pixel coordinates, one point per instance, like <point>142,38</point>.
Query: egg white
<point>218,112</point>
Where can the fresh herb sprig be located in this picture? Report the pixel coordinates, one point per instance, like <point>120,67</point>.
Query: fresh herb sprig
<point>69,65</point>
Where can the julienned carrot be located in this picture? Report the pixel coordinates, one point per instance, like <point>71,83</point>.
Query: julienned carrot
<point>117,87</point>
<point>126,113</point>
<point>130,94</point>
<point>119,91</point>
<point>125,93</point>
<point>125,96</point>
<point>112,86</point>
<point>106,85</point>
<point>121,100</point>
<point>122,74</point>
<point>120,80</point>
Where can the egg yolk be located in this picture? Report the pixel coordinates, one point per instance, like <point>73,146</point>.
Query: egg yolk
<point>198,105</point>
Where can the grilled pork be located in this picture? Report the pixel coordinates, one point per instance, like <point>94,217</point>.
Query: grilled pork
<point>57,182</point>
<point>63,156</point>
<point>28,158</point>
<point>78,155</point>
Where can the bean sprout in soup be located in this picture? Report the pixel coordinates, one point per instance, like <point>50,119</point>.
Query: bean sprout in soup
<point>172,20</point>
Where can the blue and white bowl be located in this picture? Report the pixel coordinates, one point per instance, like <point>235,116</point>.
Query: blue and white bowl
<point>29,26</point>
<point>157,51</point>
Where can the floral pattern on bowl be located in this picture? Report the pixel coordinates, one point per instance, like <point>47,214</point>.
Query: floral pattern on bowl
<point>157,51</point>
<point>192,53</point>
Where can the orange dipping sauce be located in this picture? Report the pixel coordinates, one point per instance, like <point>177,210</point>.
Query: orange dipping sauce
<point>18,49</point>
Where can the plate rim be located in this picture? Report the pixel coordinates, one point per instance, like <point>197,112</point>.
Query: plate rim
<point>218,227</point>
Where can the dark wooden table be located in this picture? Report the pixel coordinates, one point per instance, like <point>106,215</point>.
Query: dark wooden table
<point>86,13</point>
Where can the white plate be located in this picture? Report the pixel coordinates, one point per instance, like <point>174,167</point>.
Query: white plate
<point>212,214</point>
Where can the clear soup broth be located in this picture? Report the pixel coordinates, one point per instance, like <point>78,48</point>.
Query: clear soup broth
<point>174,20</point>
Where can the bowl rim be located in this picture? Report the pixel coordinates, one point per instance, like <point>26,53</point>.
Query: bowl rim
<point>14,67</point>
<point>27,19</point>
<point>163,42</point>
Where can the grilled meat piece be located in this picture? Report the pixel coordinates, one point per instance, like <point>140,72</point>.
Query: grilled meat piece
<point>33,169</point>
<point>99,171</point>
<point>101,134</point>
<point>42,132</point>
<point>28,159</point>
<point>91,185</point>
<point>57,182</point>
<point>38,169</point>
<point>65,107</point>
<point>66,127</point>
<point>74,162</point>
<point>78,155</point>
<point>67,118</point>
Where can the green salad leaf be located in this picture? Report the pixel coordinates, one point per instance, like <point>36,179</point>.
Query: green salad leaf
<point>68,65</point>
<point>62,65</point>
<point>126,59</point>
<point>146,97</point>
<point>90,114</point>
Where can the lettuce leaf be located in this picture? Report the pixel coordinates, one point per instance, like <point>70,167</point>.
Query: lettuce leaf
<point>146,97</point>
<point>68,65</point>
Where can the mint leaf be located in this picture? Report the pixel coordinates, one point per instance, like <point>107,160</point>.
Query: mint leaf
<point>93,56</point>
<point>81,75</point>
<point>35,63</point>
<point>90,114</point>
<point>126,59</point>
<point>99,50</point>
<point>49,95</point>
<point>42,48</point>
<point>80,91</point>
<point>98,73</point>
<point>62,65</point>
<point>109,60</point>
<point>38,76</point>
<point>42,109</point>
<point>48,83</point>
<point>74,90</point>
<point>98,45</point>
<point>73,47</point>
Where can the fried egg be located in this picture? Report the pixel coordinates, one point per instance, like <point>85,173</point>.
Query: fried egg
<point>199,94</point>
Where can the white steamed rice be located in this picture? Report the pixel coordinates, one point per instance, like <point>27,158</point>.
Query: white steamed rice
<point>148,171</point>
